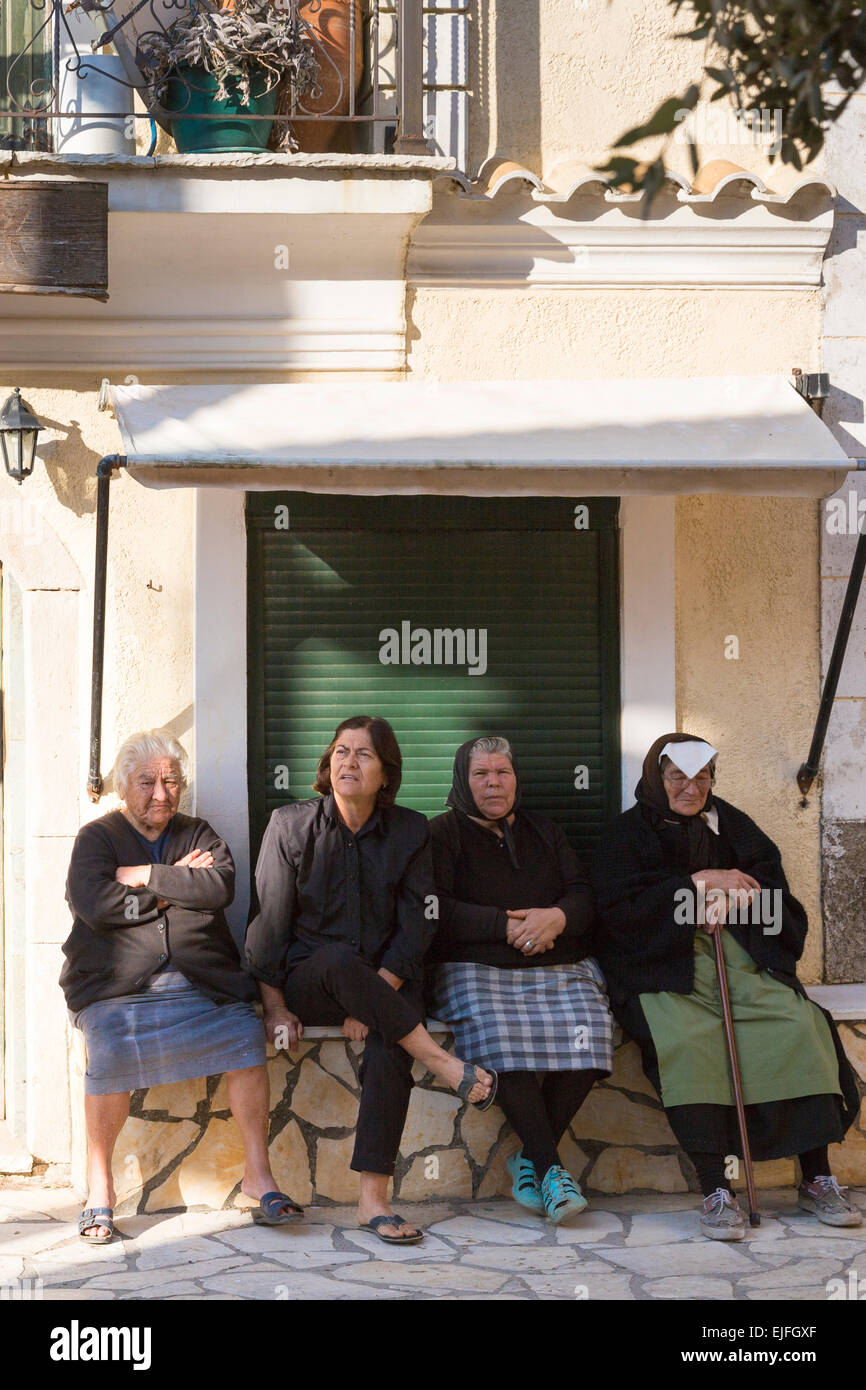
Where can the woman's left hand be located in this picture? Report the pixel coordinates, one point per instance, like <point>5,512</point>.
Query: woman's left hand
<point>196,859</point>
<point>535,929</point>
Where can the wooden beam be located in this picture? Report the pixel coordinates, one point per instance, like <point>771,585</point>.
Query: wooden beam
<point>54,237</point>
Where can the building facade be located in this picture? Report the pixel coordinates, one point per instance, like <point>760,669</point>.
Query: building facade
<point>601,515</point>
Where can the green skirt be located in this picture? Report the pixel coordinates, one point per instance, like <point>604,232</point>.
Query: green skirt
<point>784,1045</point>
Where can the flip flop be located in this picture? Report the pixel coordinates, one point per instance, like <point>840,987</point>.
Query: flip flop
<point>96,1216</point>
<point>470,1080</point>
<point>268,1211</point>
<point>392,1220</point>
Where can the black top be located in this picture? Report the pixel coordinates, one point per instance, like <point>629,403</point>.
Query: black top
<point>476,882</point>
<point>643,943</point>
<point>120,936</point>
<point>316,883</point>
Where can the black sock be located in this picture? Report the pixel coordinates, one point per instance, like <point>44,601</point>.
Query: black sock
<point>564,1093</point>
<point>815,1163</point>
<point>519,1095</point>
<point>710,1169</point>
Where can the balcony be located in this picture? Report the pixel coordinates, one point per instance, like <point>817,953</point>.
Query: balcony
<point>314,234</point>
<point>389,78</point>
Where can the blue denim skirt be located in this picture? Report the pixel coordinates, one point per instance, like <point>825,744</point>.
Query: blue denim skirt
<point>170,1031</point>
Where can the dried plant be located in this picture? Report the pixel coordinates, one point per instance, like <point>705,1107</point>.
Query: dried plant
<point>234,45</point>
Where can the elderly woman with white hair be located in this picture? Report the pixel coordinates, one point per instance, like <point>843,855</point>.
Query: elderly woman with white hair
<point>152,975</point>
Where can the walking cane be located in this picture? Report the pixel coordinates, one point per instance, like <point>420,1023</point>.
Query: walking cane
<point>728,1021</point>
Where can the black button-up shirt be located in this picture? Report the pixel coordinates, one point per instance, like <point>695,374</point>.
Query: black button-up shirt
<point>318,882</point>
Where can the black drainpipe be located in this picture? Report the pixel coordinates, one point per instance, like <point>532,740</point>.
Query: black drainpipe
<point>104,470</point>
<point>809,769</point>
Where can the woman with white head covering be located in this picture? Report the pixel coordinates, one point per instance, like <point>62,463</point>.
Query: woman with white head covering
<point>673,869</point>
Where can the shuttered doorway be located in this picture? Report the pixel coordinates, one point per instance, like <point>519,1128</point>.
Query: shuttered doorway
<point>367,605</point>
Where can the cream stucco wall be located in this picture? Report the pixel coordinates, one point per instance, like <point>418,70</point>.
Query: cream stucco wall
<point>554,80</point>
<point>473,334</point>
<point>148,640</point>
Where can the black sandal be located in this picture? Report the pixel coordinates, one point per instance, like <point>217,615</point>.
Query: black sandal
<point>269,1213</point>
<point>96,1216</point>
<point>392,1220</point>
<point>470,1080</point>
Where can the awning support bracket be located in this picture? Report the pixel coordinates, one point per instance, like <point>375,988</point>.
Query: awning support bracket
<point>104,470</point>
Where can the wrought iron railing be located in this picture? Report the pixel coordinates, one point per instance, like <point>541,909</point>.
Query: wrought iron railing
<point>69,68</point>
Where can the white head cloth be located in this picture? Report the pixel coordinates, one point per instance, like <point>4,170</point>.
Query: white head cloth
<point>689,756</point>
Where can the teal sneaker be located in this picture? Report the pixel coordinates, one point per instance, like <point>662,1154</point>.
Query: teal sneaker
<point>561,1195</point>
<point>526,1188</point>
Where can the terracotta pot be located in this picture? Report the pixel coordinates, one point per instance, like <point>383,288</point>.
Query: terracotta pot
<point>330,22</point>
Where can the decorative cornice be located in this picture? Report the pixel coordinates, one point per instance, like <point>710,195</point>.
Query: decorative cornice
<point>573,238</point>
<point>212,270</point>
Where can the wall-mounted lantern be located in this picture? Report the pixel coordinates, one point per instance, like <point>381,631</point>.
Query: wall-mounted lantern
<point>19,429</point>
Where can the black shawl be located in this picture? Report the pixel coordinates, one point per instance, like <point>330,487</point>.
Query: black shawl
<point>460,797</point>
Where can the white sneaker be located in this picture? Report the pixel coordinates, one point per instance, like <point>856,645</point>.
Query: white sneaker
<point>721,1218</point>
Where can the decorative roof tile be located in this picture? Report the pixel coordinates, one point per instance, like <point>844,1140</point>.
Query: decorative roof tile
<point>570,178</point>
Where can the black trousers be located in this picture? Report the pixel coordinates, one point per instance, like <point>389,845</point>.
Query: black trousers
<point>335,984</point>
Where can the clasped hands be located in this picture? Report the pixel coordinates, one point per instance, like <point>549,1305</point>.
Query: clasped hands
<point>730,881</point>
<point>532,930</point>
<point>138,875</point>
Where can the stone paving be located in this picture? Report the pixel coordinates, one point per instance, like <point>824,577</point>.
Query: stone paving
<point>632,1247</point>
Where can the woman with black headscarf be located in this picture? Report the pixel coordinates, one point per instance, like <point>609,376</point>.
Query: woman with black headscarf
<point>511,969</point>
<point>673,869</point>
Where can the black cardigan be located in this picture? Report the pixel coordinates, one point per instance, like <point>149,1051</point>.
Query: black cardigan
<point>640,947</point>
<point>477,931</point>
<point>111,953</point>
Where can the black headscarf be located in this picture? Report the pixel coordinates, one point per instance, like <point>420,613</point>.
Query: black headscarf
<point>650,792</point>
<point>460,797</point>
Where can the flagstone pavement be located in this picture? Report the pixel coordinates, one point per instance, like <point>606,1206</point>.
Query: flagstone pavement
<point>632,1247</point>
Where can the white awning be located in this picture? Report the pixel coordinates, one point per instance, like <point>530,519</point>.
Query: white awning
<point>491,438</point>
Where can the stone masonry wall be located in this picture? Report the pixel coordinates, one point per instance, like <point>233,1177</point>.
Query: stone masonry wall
<point>181,1148</point>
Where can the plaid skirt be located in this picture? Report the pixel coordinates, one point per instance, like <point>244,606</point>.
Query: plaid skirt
<point>543,1018</point>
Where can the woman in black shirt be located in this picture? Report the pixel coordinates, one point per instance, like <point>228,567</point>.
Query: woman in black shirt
<point>511,971</point>
<point>344,883</point>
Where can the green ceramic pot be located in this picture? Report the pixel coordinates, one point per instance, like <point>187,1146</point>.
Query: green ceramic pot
<point>193,92</point>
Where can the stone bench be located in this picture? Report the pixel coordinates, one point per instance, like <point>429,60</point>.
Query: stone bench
<point>181,1148</point>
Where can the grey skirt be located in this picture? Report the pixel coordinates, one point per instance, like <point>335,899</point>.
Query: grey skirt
<point>170,1031</point>
<point>543,1018</point>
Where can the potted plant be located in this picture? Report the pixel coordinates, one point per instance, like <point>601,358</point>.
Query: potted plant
<point>217,64</point>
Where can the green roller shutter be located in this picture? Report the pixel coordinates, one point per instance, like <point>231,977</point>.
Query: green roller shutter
<point>330,576</point>
<point>25,72</point>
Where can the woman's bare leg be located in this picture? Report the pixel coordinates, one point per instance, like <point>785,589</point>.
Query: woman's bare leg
<point>104,1118</point>
<point>249,1101</point>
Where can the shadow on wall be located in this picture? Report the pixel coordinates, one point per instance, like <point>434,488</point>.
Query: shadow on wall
<point>180,727</point>
<point>507,120</point>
